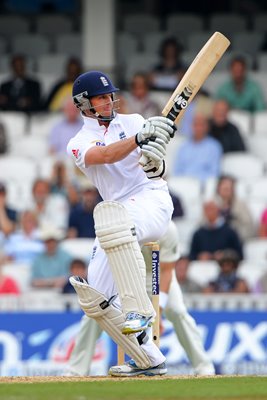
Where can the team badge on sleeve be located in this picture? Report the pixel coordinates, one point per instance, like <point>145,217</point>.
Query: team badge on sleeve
<point>122,135</point>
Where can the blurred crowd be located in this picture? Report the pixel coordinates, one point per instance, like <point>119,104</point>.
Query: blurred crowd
<point>62,207</point>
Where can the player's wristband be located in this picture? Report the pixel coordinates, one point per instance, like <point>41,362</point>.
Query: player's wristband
<point>163,299</point>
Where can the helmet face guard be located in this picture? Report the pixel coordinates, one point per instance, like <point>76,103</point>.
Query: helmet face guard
<point>81,101</point>
<point>90,84</point>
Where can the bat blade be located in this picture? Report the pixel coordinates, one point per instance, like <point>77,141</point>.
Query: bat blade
<point>194,77</point>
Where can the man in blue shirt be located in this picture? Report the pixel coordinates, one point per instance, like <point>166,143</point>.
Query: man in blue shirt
<point>200,156</point>
<point>81,221</point>
<point>50,269</point>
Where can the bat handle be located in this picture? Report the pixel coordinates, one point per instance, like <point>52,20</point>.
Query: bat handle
<point>143,160</point>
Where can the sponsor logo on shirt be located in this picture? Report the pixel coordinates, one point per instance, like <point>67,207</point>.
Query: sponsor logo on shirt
<point>75,152</point>
<point>98,143</point>
<point>122,135</point>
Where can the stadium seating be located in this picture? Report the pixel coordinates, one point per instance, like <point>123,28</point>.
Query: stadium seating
<point>11,25</point>
<point>260,123</point>
<point>247,42</point>
<point>41,124</point>
<point>242,165</point>
<point>184,22</point>
<point>259,22</point>
<point>21,273</point>
<point>251,271</point>
<point>257,146</point>
<point>32,45</point>
<point>255,250</point>
<point>202,272</point>
<point>51,63</point>
<point>227,23</point>
<point>185,227</point>
<point>243,120</point>
<point>70,43</point>
<point>188,189</point>
<point>52,24</point>
<point>127,45</point>
<point>140,23</point>
<point>17,168</point>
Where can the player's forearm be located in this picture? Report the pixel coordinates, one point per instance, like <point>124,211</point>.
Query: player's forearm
<point>110,154</point>
<point>165,276</point>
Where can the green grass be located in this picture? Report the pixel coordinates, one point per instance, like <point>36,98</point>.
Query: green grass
<point>232,388</point>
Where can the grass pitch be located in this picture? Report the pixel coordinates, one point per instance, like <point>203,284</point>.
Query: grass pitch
<point>181,388</point>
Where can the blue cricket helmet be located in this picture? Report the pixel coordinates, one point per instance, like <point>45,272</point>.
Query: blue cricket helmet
<point>94,83</point>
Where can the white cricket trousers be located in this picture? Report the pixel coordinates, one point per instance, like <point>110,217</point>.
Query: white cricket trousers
<point>151,211</point>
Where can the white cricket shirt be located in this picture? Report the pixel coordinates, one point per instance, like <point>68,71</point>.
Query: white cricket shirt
<point>122,179</point>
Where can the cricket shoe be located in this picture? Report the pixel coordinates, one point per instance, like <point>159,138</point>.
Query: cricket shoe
<point>135,322</point>
<point>130,369</point>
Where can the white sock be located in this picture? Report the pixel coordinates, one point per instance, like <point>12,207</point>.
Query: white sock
<point>153,353</point>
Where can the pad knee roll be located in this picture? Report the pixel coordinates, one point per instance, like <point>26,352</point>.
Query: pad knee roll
<point>110,319</point>
<point>116,233</point>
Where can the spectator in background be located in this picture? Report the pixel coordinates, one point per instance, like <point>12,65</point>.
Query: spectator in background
<point>8,216</point>
<point>77,268</point>
<point>213,236</point>
<point>181,270</point>
<point>81,221</point>
<point>7,284</point>
<point>49,207</point>
<point>20,93</point>
<point>62,89</point>
<point>24,245</point>
<point>228,280</point>
<point>60,184</point>
<point>261,284</point>
<point>3,139</point>
<point>233,209</point>
<point>201,104</point>
<point>223,130</point>
<point>138,99</point>
<point>64,130</point>
<point>240,91</point>
<point>178,208</point>
<point>171,68</point>
<point>262,229</point>
<point>200,156</point>
<point>50,268</point>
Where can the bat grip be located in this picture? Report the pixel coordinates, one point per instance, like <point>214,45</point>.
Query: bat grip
<point>143,160</point>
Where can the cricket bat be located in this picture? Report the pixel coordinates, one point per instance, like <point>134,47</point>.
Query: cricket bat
<point>193,79</point>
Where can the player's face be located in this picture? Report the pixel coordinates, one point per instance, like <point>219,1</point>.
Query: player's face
<point>103,104</point>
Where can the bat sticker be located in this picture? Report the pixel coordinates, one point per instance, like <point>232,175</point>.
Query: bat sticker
<point>180,102</point>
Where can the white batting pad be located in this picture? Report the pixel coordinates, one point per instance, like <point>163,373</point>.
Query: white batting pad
<point>116,233</point>
<point>110,319</point>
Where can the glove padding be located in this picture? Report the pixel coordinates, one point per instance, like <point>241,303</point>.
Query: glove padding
<point>159,127</point>
<point>154,149</point>
<point>155,171</point>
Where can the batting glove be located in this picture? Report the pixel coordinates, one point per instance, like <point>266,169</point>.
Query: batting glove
<point>159,127</point>
<point>154,149</point>
<point>153,171</point>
